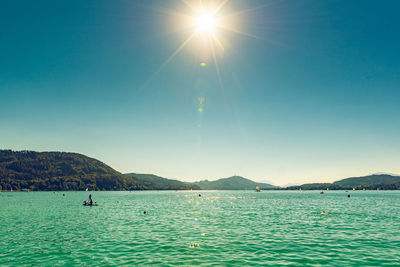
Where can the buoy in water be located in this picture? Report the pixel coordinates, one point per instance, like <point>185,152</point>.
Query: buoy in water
<point>194,245</point>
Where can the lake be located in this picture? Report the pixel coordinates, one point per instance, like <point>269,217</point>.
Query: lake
<point>220,228</point>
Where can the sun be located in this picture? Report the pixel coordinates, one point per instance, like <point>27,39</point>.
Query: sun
<point>205,22</point>
<point>209,25</point>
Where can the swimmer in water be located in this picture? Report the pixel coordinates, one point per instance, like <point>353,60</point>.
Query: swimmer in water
<point>324,213</point>
<point>144,212</point>
<point>90,202</point>
<point>348,195</point>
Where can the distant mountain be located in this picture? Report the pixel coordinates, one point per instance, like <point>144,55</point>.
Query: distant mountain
<point>71,171</point>
<point>60,171</point>
<point>384,173</point>
<point>160,183</point>
<point>371,182</point>
<point>265,182</point>
<point>289,185</point>
<point>232,183</point>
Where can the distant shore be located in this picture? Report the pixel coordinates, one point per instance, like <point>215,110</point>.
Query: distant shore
<point>65,171</point>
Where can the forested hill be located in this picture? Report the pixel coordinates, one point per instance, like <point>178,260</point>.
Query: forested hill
<point>370,182</point>
<point>59,171</point>
<point>161,183</point>
<point>232,183</point>
<point>375,180</point>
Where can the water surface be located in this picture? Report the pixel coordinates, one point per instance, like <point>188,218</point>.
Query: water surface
<point>225,228</point>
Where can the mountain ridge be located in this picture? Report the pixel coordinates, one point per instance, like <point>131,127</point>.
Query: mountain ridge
<point>232,183</point>
<point>161,183</point>
<point>32,170</point>
<point>370,182</point>
<point>55,170</point>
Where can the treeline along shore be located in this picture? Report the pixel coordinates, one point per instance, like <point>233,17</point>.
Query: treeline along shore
<point>62,171</point>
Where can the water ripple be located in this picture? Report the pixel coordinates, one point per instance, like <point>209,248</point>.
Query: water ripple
<point>217,229</point>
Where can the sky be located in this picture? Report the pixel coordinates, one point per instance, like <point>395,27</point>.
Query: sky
<point>291,91</point>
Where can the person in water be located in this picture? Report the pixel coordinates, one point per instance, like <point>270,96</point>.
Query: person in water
<point>90,202</point>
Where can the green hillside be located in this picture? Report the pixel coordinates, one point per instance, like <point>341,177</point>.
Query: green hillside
<point>370,182</point>
<point>232,183</point>
<point>59,171</point>
<point>71,171</point>
<point>159,183</point>
<point>367,181</point>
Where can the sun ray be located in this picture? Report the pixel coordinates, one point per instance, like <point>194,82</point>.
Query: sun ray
<point>224,27</point>
<point>241,12</point>
<point>189,5</point>
<point>219,43</point>
<point>241,32</point>
<point>214,56</point>
<point>165,11</point>
<point>221,5</point>
<point>179,49</point>
<point>208,25</point>
<point>221,84</point>
<point>166,62</point>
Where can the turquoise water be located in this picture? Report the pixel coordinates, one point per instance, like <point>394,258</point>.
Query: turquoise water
<point>220,228</point>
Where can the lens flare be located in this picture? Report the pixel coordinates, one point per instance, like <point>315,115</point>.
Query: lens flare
<point>209,25</point>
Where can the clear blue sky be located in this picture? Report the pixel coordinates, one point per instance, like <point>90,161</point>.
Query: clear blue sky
<point>314,98</point>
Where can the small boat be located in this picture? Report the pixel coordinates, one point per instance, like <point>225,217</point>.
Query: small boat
<point>87,204</point>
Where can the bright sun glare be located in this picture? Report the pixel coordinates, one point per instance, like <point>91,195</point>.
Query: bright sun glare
<point>205,22</point>
<point>208,22</point>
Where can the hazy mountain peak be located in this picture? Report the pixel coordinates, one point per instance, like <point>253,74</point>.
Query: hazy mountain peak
<point>232,183</point>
